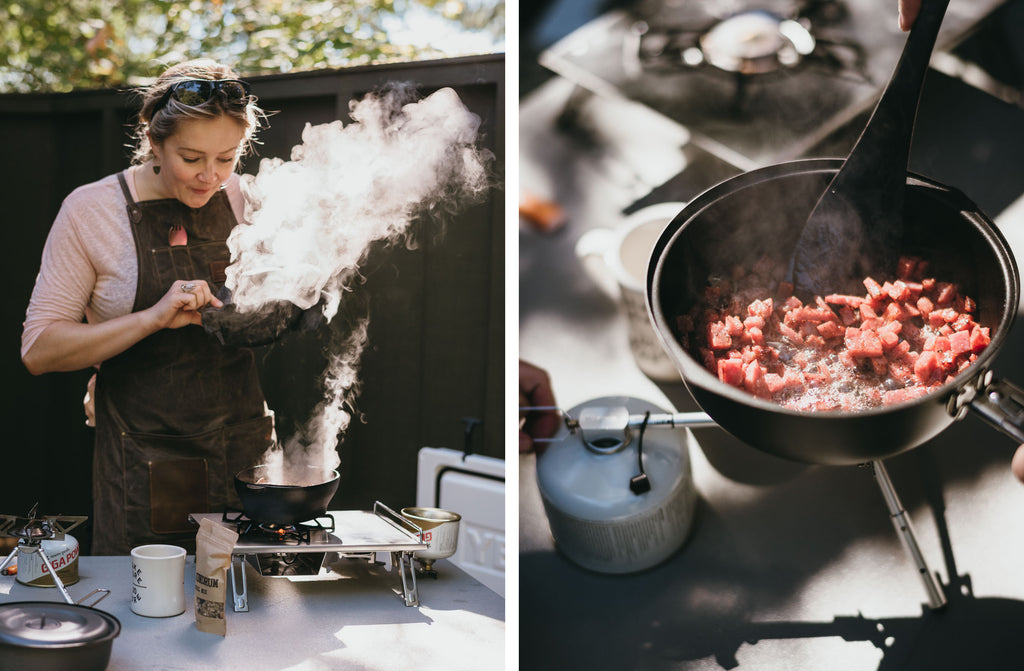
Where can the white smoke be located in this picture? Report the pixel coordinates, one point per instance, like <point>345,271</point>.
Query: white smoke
<point>315,444</point>
<point>314,217</point>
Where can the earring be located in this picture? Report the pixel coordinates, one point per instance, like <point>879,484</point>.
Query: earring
<point>156,169</point>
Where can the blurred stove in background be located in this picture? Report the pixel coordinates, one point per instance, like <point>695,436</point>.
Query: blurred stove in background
<point>748,83</point>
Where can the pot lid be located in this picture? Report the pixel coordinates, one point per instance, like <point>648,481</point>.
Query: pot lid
<point>46,624</point>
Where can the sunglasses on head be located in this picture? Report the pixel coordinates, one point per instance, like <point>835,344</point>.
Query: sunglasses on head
<point>195,92</point>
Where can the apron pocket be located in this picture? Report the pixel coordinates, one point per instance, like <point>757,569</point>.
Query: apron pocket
<point>166,478</point>
<point>176,488</point>
<point>169,476</point>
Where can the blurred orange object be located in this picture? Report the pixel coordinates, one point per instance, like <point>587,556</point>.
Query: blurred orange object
<point>543,215</point>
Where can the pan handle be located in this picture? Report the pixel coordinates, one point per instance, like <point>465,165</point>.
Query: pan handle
<point>1000,403</point>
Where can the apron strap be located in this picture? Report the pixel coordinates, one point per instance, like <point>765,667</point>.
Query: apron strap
<point>134,212</point>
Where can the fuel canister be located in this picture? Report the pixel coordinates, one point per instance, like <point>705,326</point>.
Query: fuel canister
<point>619,498</point>
<point>63,556</point>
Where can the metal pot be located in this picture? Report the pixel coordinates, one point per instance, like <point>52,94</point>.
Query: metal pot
<point>763,211</point>
<point>439,529</point>
<point>285,504</point>
<point>52,636</point>
<point>264,326</point>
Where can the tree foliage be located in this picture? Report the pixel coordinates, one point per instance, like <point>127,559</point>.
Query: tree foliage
<point>59,45</point>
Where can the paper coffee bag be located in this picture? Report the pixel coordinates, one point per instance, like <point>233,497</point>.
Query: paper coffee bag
<point>214,544</point>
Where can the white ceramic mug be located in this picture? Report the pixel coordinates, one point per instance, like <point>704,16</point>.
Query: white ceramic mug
<point>158,580</point>
<point>617,259</point>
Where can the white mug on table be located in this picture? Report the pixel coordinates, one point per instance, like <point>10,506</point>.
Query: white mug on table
<point>616,259</point>
<point>158,580</point>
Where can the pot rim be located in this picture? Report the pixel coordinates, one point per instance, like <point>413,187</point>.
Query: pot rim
<point>436,515</point>
<point>334,476</point>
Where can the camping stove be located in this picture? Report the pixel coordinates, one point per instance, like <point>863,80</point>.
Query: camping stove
<point>314,547</point>
<point>47,554</point>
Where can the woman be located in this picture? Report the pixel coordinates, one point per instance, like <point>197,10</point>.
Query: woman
<point>137,255</point>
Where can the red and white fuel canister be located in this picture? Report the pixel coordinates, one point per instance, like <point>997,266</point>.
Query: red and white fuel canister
<point>63,556</point>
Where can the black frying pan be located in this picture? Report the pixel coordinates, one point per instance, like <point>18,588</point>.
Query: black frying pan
<point>764,211</point>
<point>285,504</point>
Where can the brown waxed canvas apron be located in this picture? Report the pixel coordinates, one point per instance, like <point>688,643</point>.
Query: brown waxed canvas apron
<point>177,414</point>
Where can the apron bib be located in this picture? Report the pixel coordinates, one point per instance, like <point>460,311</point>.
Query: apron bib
<point>177,414</point>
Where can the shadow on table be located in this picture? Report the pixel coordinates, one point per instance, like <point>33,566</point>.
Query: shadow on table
<point>693,611</point>
<point>968,632</point>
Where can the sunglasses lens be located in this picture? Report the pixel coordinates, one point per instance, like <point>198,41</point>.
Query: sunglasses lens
<point>233,91</point>
<point>193,93</point>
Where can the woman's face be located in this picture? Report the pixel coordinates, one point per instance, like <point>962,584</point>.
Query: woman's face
<point>198,158</point>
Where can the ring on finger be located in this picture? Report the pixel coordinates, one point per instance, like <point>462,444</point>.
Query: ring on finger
<point>188,288</point>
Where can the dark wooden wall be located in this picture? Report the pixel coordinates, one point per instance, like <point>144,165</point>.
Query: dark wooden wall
<point>436,313</point>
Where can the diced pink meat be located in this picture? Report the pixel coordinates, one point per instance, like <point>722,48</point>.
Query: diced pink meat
<point>925,366</point>
<point>753,380</point>
<point>761,308</point>
<point>730,371</point>
<point>718,336</point>
<point>861,343</point>
<point>910,329</point>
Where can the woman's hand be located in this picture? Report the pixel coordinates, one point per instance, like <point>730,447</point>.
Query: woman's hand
<point>68,345</point>
<point>181,304</point>
<point>535,391</point>
<point>908,9</point>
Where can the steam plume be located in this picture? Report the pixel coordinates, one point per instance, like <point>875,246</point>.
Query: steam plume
<point>314,217</point>
<point>314,444</point>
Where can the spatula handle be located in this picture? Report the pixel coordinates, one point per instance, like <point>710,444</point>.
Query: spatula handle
<point>890,129</point>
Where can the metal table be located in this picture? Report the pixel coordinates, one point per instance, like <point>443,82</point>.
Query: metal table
<point>354,621</point>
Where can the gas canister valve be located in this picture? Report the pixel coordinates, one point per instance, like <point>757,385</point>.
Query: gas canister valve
<point>605,429</point>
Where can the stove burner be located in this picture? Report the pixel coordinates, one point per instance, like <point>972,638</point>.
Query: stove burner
<point>285,533</point>
<point>749,43</point>
<point>282,534</point>
<point>33,531</point>
<point>34,528</point>
<point>752,43</point>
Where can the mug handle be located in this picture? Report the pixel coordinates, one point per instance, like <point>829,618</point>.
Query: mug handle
<point>591,249</point>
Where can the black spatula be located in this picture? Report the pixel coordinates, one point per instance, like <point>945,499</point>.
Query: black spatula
<point>856,227</point>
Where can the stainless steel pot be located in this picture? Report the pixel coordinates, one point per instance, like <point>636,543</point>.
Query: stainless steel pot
<point>55,636</point>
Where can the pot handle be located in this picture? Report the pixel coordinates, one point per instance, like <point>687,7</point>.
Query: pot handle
<point>103,596</point>
<point>1001,404</point>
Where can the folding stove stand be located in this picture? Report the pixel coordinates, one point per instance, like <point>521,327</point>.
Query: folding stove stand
<point>357,534</point>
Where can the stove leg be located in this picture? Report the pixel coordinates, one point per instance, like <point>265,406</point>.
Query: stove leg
<point>10,558</point>
<point>410,593</point>
<point>904,529</point>
<point>240,597</point>
<point>53,574</point>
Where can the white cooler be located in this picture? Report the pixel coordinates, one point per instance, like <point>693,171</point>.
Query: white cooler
<point>473,487</point>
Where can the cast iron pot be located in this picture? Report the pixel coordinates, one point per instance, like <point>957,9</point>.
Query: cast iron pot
<point>763,211</point>
<point>50,636</point>
<point>285,504</point>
